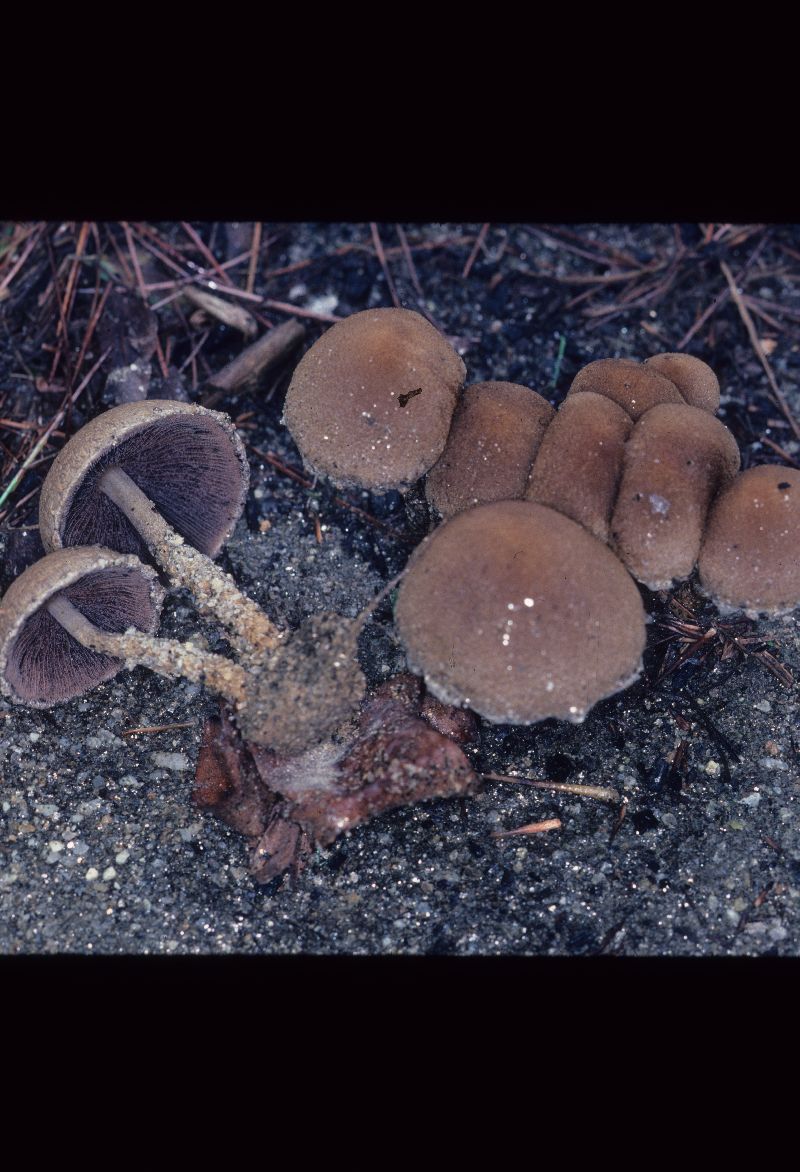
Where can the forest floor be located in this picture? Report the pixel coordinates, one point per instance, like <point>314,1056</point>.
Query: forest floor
<point>103,848</point>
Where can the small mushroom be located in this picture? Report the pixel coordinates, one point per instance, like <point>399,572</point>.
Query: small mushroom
<point>633,385</point>
<point>165,477</point>
<point>496,432</point>
<point>517,612</point>
<point>78,616</point>
<point>694,378</point>
<point>370,403</point>
<point>579,463</point>
<point>676,460</point>
<point>750,559</point>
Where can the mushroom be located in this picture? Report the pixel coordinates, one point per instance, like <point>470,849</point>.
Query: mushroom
<point>633,385</point>
<point>78,616</point>
<point>694,378</point>
<point>676,460</point>
<point>750,558</point>
<point>517,612</point>
<point>496,432</point>
<point>370,403</point>
<point>579,463</point>
<point>165,477</point>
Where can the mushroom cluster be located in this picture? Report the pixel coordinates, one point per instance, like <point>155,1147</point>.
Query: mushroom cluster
<point>521,605</point>
<point>523,612</point>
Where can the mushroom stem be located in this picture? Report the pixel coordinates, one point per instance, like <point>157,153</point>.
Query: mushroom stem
<point>169,657</point>
<point>215,592</point>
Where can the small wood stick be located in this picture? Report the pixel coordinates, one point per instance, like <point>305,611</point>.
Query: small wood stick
<point>744,313</point>
<point>473,256</point>
<point>604,793</point>
<point>230,315</point>
<point>531,828</point>
<point>376,239</point>
<point>259,356</point>
<point>254,250</point>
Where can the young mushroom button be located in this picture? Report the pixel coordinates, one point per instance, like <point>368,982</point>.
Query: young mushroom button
<point>694,378</point>
<point>579,464</point>
<point>165,477</point>
<point>517,612</point>
<point>76,617</point>
<point>676,460</point>
<point>370,404</point>
<point>750,558</point>
<point>496,432</point>
<point>634,386</point>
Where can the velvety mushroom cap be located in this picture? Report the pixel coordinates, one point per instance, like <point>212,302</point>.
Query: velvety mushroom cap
<point>750,558</point>
<point>40,664</point>
<point>370,404</point>
<point>579,463</point>
<point>632,385</point>
<point>496,432</point>
<point>694,378</point>
<point>515,611</point>
<point>676,460</point>
<point>189,461</point>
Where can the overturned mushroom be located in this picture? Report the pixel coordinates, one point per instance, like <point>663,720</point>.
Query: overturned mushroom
<point>750,559</point>
<point>676,460</point>
<point>496,432</point>
<point>166,478</point>
<point>579,464</point>
<point>370,403</point>
<point>78,616</point>
<point>517,612</point>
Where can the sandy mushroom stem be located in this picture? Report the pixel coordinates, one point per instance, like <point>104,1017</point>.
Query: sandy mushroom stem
<point>168,657</point>
<point>215,592</point>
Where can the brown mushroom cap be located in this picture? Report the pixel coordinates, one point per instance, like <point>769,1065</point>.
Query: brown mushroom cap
<point>496,431</point>
<point>633,385</point>
<point>188,460</point>
<point>515,611</point>
<point>694,378</point>
<point>370,404</point>
<point>40,664</point>
<point>676,460</point>
<point>750,559</point>
<point>579,463</point>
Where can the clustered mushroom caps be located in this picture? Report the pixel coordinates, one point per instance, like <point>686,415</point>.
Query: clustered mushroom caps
<point>634,455</point>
